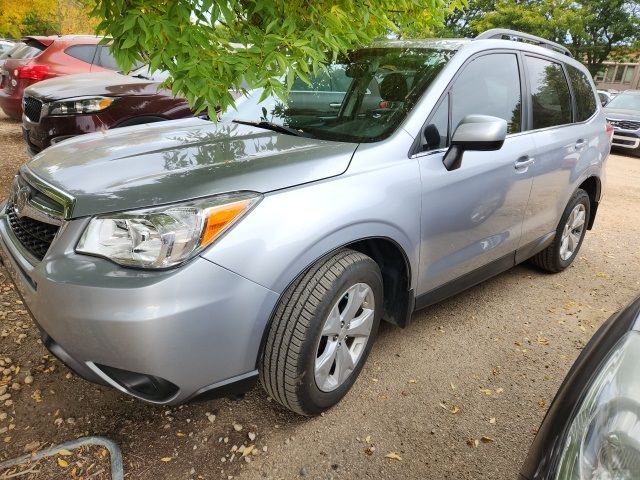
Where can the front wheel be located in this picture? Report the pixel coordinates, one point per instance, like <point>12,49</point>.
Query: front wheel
<point>569,235</point>
<point>322,332</point>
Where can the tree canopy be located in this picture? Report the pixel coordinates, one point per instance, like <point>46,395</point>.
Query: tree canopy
<point>211,46</point>
<point>592,29</point>
<point>44,17</point>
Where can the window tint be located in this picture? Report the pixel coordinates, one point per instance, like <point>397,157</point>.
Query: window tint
<point>489,85</point>
<point>106,60</point>
<point>583,93</point>
<point>550,97</point>
<point>436,134</point>
<point>82,52</point>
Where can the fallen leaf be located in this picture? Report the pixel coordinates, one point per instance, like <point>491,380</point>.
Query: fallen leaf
<point>247,450</point>
<point>368,439</point>
<point>455,409</point>
<point>166,459</point>
<point>486,391</point>
<point>64,452</point>
<point>492,420</point>
<point>499,390</point>
<point>30,447</point>
<point>63,463</point>
<point>541,403</point>
<point>473,442</point>
<point>412,381</point>
<point>393,456</point>
<point>487,440</point>
<point>180,434</point>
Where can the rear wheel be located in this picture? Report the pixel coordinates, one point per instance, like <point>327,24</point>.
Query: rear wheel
<point>322,332</point>
<point>569,235</point>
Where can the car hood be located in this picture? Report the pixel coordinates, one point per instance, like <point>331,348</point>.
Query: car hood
<point>88,84</point>
<point>622,114</point>
<point>167,162</point>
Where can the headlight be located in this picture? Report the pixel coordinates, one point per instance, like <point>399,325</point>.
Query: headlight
<point>164,236</point>
<point>77,106</point>
<point>604,437</point>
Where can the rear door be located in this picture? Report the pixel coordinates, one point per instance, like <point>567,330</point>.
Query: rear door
<point>566,130</point>
<point>472,217</point>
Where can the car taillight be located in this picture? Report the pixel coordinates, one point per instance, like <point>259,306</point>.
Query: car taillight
<point>609,129</point>
<point>32,72</point>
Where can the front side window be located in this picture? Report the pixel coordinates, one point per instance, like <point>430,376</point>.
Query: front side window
<point>583,93</point>
<point>359,99</point>
<point>84,53</point>
<point>550,96</point>
<point>105,59</point>
<point>489,85</point>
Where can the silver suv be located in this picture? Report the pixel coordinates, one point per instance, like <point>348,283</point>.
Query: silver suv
<point>190,258</point>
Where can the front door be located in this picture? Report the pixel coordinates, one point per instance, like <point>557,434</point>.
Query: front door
<point>472,216</point>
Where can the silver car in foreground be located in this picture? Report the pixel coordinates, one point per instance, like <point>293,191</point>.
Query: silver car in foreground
<point>189,258</point>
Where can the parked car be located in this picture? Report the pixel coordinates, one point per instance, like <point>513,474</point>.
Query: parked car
<point>623,113</point>
<point>5,46</point>
<point>605,97</point>
<point>52,57</point>
<point>592,428</point>
<point>184,259</point>
<point>64,107</point>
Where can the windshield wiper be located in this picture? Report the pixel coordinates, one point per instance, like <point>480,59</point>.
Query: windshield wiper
<point>276,127</point>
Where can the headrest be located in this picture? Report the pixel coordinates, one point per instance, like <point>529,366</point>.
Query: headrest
<point>394,87</point>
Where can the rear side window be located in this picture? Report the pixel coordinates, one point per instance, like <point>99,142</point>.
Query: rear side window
<point>583,93</point>
<point>83,53</point>
<point>550,97</point>
<point>489,85</point>
<point>104,59</point>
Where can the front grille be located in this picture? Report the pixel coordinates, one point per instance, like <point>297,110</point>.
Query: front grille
<point>625,124</point>
<point>34,235</point>
<point>32,108</point>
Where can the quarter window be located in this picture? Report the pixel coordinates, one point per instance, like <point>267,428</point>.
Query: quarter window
<point>436,133</point>
<point>489,85</point>
<point>583,93</point>
<point>550,97</point>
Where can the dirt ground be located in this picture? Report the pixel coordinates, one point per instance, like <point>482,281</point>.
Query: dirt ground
<point>485,363</point>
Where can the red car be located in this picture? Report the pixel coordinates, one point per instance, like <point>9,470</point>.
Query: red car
<point>60,108</point>
<point>55,56</point>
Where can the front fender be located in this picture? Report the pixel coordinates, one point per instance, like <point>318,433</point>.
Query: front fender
<point>291,229</point>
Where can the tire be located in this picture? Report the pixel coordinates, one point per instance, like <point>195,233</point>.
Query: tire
<point>553,259</point>
<point>295,337</point>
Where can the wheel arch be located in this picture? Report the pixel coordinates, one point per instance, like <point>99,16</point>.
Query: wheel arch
<point>593,186</point>
<point>395,267</point>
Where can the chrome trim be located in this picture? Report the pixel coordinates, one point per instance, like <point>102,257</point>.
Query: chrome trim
<point>64,199</point>
<point>635,140</point>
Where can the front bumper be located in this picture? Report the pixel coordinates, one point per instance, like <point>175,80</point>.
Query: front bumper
<point>49,130</point>
<point>625,139</point>
<point>198,327</point>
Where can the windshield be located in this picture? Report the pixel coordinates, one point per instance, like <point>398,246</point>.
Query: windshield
<point>362,99</point>
<point>625,101</point>
<point>145,72</point>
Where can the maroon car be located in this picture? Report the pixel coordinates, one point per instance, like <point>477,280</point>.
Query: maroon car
<point>61,108</point>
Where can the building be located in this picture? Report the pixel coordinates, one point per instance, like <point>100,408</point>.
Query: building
<point>618,76</point>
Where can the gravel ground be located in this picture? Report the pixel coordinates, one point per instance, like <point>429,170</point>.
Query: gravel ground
<point>483,366</point>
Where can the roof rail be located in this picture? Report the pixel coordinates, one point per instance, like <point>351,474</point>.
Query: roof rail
<point>506,34</point>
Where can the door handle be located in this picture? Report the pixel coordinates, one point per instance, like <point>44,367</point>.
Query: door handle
<point>580,144</point>
<point>335,105</point>
<point>524,162</point>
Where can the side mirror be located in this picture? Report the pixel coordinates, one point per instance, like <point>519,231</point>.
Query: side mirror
<point>475,132</point>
